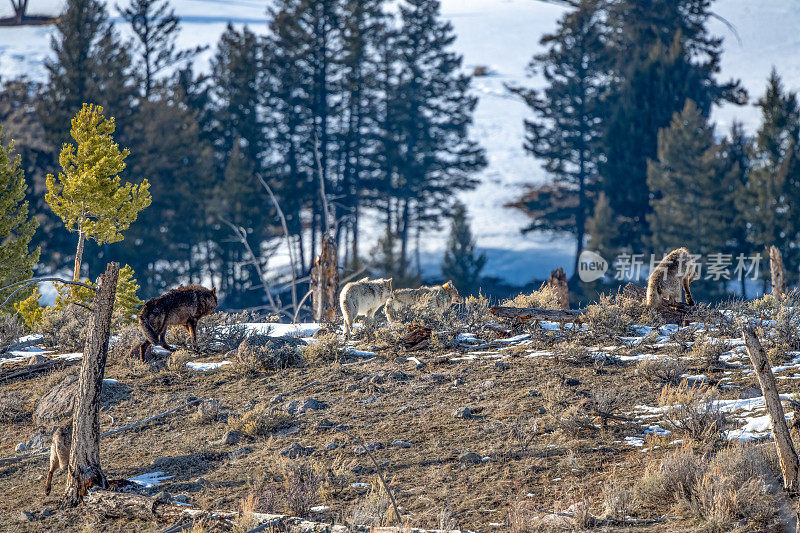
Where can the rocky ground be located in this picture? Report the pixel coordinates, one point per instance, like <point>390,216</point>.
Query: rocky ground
<point>620,423</point>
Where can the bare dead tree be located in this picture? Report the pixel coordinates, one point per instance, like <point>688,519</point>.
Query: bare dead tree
<point>84,457</point>
<point>776,269</point>
<point>241,235</point>
<point>787,455</point>
<point>288,238</point>
<point>325,280</point>
<point>20,7</point>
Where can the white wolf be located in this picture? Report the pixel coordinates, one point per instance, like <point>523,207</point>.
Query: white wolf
<point>363,297</point>
<point>435,299</point>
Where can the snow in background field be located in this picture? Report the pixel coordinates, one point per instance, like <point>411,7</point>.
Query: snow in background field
<point>503,35</point>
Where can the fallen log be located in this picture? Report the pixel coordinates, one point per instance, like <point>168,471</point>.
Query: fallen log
<point>54,364</point>
<point>535,313</point>
<point>44,451</point>
<point>19,345</point>
<point>132,506</point>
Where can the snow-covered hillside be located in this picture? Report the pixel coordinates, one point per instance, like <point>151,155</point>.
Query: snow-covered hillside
<point>502,34</point>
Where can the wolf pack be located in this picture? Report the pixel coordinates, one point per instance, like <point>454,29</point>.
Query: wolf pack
<point>185,306</point>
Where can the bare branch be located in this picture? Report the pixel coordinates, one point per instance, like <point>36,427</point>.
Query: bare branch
<point>28,282</point>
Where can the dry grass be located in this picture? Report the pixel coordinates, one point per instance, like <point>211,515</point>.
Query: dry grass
<point>259,421</point>
<point>662,370</point>
<point>692,411</point>
<point>328,348</point>
<point>544,298</point>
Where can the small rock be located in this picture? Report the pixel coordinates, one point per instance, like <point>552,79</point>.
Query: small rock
<point>372,446</point>
<point>571,382</point>
<point>295,407</point>
<point>399,376</point>
<point>352,387</point>
<point>46,512</point>
<point>278,398</point>
<point>542,410</point>
<point>401,444</point>
<point>183,498</point>
<point>163,497</point>
<point>201,481</point>
<point>499,365</point>
<point>208,409</point>
<point>324,424</point>
<point>458,381</point>
<point>462,412</point>
<point>434,378</point>
<point>37,359</point>
<point>750,392</point>
<point>295,450</point>
<point>332,446</point>
<point>534,393</point>
<point>369,399</point>
<point>236,453</point>
<point>400,360</point>
<point>230,438</point>
<point>21,447</point>
<point>25,516</point>
<point>469,458</point>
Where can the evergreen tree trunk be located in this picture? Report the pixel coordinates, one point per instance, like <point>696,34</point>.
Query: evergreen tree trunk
<point>79,255</point>
<point>84,457</point>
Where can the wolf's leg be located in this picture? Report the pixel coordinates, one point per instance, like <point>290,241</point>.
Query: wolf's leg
<point>162,341</point>
<point>53,464</point>
<point>687,291</point>
<point>143,350</point>
<point>191,328</point>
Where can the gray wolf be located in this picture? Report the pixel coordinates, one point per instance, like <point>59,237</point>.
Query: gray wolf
<point>59,451</point>
<point>363,297</point>
<point>674,273</point>
<point>435,299</point>
<point>183,306</point>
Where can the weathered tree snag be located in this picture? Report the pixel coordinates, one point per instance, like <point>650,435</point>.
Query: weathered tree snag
<point>84,457</point>
<point>787,455</point>
<point>776,269</point>
<point>325,281</point>
<point>535,313</point>
<point>558,280</point>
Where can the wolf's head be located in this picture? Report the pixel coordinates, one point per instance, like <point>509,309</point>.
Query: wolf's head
<point>208,300</point>
<point>452,292</point>
<point>387,283</point>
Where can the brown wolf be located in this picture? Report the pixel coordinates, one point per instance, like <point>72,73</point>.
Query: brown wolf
<point>675,272</point>
<point>363,297</point>
<point>436,299</point>
<point>183,306</point>
<point>59,451</point>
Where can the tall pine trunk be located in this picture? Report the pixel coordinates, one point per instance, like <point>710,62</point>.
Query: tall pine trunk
<point>76,274</point>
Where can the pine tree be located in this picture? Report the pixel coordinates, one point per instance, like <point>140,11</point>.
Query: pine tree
<point>567,129</point>
<point>87,194</point>
<point>155,27</point>
<point>236,90</point>
<point>364,28</point>
<point>461,263</point>
<point>90,65</point>
<point>167,147</point>
<point>430,111</point>
<point>774,179</point>
<point>692,201</point>
<point>602,228</point>
<point>660,54</point>
<point>17,226</point>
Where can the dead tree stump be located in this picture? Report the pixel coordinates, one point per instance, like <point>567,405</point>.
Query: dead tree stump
<point>84,457</point>
<point>776,269</point>
<point>787,455</point>
<point>558,280</point>
<point>325,281</point>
